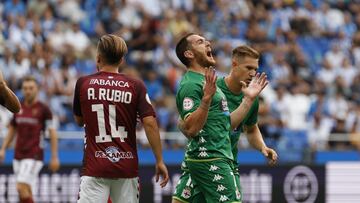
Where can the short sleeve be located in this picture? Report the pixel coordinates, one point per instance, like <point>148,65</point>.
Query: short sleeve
<point>144,107</point>
<point>188,98</point>
<point>76,103</point>
<point>252,120</point>
<point>48,118</point>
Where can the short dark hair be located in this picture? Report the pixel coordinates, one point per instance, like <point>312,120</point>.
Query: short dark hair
<point>181,47</point>
<point>245,51</point>
<point>111,48</point>
<point>30,78</point>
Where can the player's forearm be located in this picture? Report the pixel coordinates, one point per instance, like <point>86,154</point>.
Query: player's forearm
<point>9,138</point>
<point>240,112</point>
<point>79,120</point>
<point>11,102</point>
<point>255,138</point>
<point>53,143</point>
<point>181,127</point>
<point>152,133</point>
<point>197,119</point>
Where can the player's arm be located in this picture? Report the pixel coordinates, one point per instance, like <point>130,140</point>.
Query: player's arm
<point>256,140</point>
<point>7,141</point>
<point>79,120</point>
<point>152,133</point>
<point>257,84</point>
<point>195,121</point>
<point>54,164</point>
<point>180,125</point>
<point>147,115</point>
<point>77,105</point>
<point>11,102</point>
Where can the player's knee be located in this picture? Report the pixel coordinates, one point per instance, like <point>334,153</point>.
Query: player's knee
<point>23,190</point>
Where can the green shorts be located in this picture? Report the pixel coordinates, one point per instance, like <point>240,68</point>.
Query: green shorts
<point>213,181</point>
<point>184,190</point>
<point>237,179</point>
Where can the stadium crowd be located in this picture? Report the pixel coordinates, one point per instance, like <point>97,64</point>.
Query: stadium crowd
<point>309,49</point>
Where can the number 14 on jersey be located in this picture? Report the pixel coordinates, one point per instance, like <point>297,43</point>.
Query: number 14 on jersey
<point>116,131</point>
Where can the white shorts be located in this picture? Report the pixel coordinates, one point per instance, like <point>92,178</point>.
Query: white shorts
<point>27,171</point>
<point>98,190</point>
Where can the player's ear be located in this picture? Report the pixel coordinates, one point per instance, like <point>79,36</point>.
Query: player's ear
<point>98,59</point>
<point>122,60</point>
<point>189,54</point>
<point>234,63</point>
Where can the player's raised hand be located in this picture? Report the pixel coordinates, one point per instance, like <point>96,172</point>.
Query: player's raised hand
<point>210,83</point>
<point>161,170</point>
<point>270,154</point>
<point>2,156</point>
<point>54,164</point>
<point>257,84</point>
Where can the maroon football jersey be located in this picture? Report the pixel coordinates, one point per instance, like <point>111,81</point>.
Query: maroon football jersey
<point>31,123</point>
<point>109,104</point>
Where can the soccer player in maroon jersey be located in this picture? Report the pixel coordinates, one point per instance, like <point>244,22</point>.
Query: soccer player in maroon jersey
<point>30,125</point>
<point>7,97</point>
<point>108,104</point>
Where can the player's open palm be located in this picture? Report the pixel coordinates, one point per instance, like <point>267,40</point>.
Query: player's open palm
<point>161,170</point>
<point>210,83</point>
<point>257,84</point>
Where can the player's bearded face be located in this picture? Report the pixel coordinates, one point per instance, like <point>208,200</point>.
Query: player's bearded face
<point>202,51</point>
<point>204,57</point>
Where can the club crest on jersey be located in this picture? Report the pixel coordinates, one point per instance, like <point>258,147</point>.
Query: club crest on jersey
<point>113,154</point>
<point>186,193</point>
<point>188,103</point>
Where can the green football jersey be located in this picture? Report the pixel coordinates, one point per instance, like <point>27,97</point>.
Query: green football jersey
<point>213,140</point>
<point>234,101</point>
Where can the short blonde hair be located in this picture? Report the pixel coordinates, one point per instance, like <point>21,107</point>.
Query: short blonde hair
<point>245,51</point>
<point>111,48</point>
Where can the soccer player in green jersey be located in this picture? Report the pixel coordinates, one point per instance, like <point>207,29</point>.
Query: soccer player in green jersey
<point>208,122</point>
<point>244,67</point>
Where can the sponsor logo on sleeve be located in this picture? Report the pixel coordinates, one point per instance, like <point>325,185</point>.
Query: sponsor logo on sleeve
<point>188,103</point>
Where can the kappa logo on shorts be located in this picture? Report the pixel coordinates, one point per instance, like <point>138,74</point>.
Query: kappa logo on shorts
<point>213,168</point>
<point>220,188</point>
<point>203,154</point>
<point>188,103</point>
<point>217,177</point>
<point>223,198</point>
<point>113,154</point>
<point>202,140</point>
<point>186,193</point>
